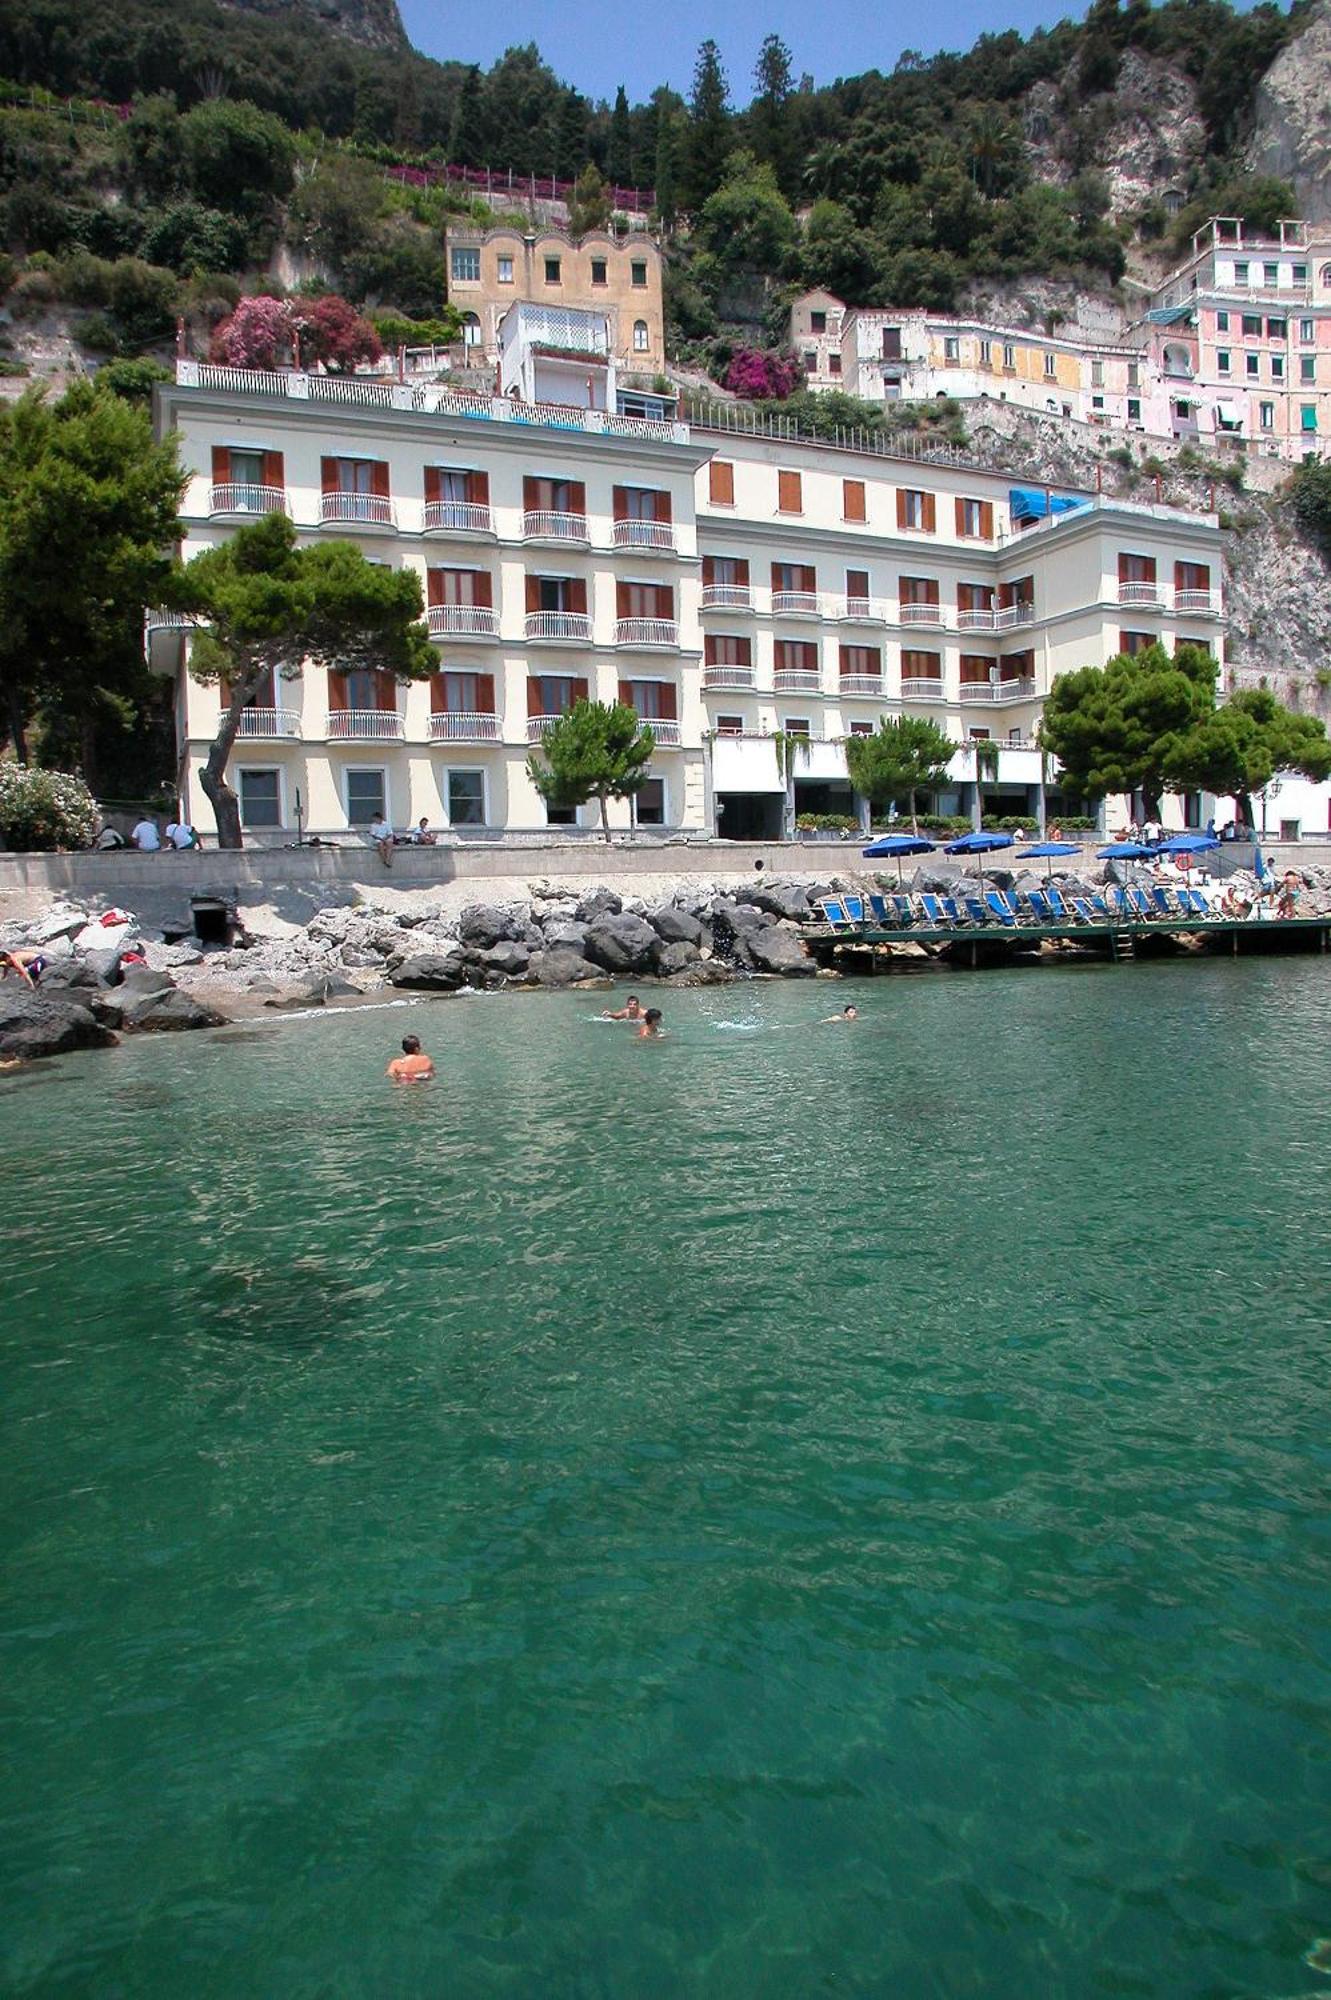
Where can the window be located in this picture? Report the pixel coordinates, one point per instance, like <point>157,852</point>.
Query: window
<point>1252,326</point>
<point>795,656</point>
<point>638,272</point>
<point>951,348</point>
<point>1271,274</point>
<point>260,797</point>
<point>810,360</point>
<point>649,803</point>
<point>1009,357</point>
<point>798,725</point>
<point>916,510</point>
<point>1097,402</point>
<point>1133,643</point>
<point>1134,410</point>
<point>466,798</point>
<point>1097,374</point>
<point>817,322</point>
<point>730,725</point>
<point>921,666</point>
<point>1252,363</point>
<point>986,354</point>
<point>1222,360</point>
<point>1266,416</point>
<point>1277,367</point>
<point>975,519</point>
<point>727,649</point>
<point>1307,368</point>
<point>789,493</point>
<point>561,815</point>
<point>640,341</point>
<point>1308,418</point>
<point>721,483</point>
<point>1222,322</point>
<point>466,267</point>
<point>505,270</point>
<point>1278,329</point>
<point>892,342</point>
<point>1240,273</point>
<point>599,271</point>
<point>1326,274</point>
<point>1307,332</point>
<point>552,270</point>
<point>834,364</point>
<point>1299,274</point>
<point>852,501</point>
<point>471,330</point>
<point>366,796</point>
<point>1134,375</point>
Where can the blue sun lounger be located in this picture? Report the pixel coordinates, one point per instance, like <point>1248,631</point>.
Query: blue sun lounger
<point>954,913</point>
<point>1060,909</point>
<point>834,914</point>
<point>1038,904</point>
<point>1002,907</point>
<point>854,908</point>
<point>1086,913</point>
<point>880,911</point>
<point>1138,904</point>
<point>934,912</point>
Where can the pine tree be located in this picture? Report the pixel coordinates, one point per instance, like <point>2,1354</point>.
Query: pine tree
<point>466,138</point>
<point>571,136</point>
<point>667,167</point>
<point>619,159</point>
<point>709,127</point>
<point>769,125</point>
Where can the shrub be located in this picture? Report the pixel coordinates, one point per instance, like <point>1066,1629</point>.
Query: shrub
<point>191,238</point>
<point>825,823</point>
<point>32,294</point>
<point>98,335</point>
<point>44,811</point>
<point>333,332</point>
<point>257,334</point>
<point>132,379</point>
<point>761,377</point>
<point>85,280</point>
<point>1009,823</point>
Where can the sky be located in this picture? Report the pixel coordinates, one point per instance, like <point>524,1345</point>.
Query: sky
<point>598,44</point>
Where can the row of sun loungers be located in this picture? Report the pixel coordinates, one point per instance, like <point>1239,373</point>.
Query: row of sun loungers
<point>995,909</point>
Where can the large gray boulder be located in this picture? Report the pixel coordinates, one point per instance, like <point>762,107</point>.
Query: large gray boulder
<point>740,916</point>
<point>621,944</point>
<point>482,925</point>
<point>168,1012</point>
<point>562,967</point>
<point>508,959</point>
<point>676,957</point>
<point>780,899</point>
<point>71,975</point>
<point>597,903</point>
<point>33,1024</point>
<point>435,972</point>
<point>136,980</point>
<point>704,972</point>
<point>779,950</point>
<point>561,933</point>
<point>674,925</point>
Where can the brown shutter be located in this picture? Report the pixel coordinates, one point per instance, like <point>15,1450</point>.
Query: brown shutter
<point>623,601</point>
<point>385,690</point>
<point>337,689</point>
<point>379,479</point>
<point>857,583</point>
<point>438,695</point>
<point>482,590</point>
<point>930,514</point>
<point>663,512</point>
<point>577,692</point>
<point>577,595</point>
<point>721,482</point>
<point>434,485</point>
<point>930,591</point>
<point>852,500</point>
<point>808,577</point>
<point>708,571</point>
<point>1124,568</point>
<point>742,572</point>
<point>776,576</point>
<point>531,494</point>
<point>221,465</point>
<point>478,489</point>
<point>987,519</point>
<point>1181,575</point>
<point>845,652</point>
<point>534,696</point>
<point>788,493</point>
<point>665,600</point>
<point>901,508</point>
<point>620,501</point>
<point>669,707</point>
<point>960,506</point>
<point>485,694</point>
<point>434,586</point>
<point>577,497</point>
<point>533,593</point>
<point>328,474</point>
<point>274,470</point>
<point>626,693</point>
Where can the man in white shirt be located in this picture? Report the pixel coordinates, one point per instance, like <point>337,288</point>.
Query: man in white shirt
<point>146,836</point>
<point>381,833</point>
<point>180,834</point>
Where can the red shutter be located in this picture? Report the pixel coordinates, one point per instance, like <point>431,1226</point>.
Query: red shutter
<point>274,469</point>
<point>577,497</point>
<point>623,600</point>
<point>337,689</point>
<point>385,691</point>
<point>960,506</point>
<point>533,593</point>
<point>577,594</point>
<point>626,693</point>
<point>438,695</point>
<point>845,652</point>
<point>852,500</point>
<point>434,586</point>
<point>485,694</point>
<point>665,600</point>
<point>577,692</point>
<point>434,485</point>
<point>930,514</point>
<point>663,507</point>
<point>930,591</point>
<point>742,572</point>
<point>721,482</point>
<point>379,479</point>
<point>669,707</point>
<point>789,499</point>
<point>328,474</point>
<point>221,465</point>
<point>776,576</point>
<point>987,519</point>
<point>478,489</point>
<point>857,583</point>
<point>708,571</point>
<point>531,495</point>
<point>1124,568</point>
<point>534,696</point>
<point>808,577</point>
<point>902,521</point>
<point>620,499</point>
<point>482,589</point>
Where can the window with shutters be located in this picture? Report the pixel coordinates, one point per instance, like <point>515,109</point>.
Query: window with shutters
<point>721,482</point>
<point>986,354</point>
<point>730,725</point>
<point>726,649</point>
<point>853,500</point>
<point>1133,643</point>
<point>916,510</point>
<point>247,480</point>
<point>454,693</point>
<point>795,656</point>
<point>1010,359</point>
<point>798,725</point>
<point>891,343</point>
<point>725,572</point>
<point>654,701</point>
<point>789,493</point>
<point>975,669</point>
<point>861,663</point>
<point>975,520</point>
<point>916,666</point>
<point>356,489</point>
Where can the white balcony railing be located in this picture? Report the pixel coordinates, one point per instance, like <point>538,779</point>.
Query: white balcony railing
<point>797,680</point>
<point>457,517</point>
<point>464,728</point>
<point>918,688</point>
<point>462,621</point>
<point>1139,593</point>
<point>558,628</point>
<point>539,726</point>
<point>658,634</point>
<point>727,597</point>
<point>665,730</point>
<point>1194,600</point>
<point>238,497</point>
<point>862,611</point>
<point>920,614</point>
<point>540,524</point>
<point>659,535</point>
<point>997,691</point>
<point>1008,615</point>
<point>977,620</point>
<point>268,722</point>
<point>364,725</point>
<point>364,510</point>
<point>726,676</point>
<point>795,603</point>
<point>861,684</point>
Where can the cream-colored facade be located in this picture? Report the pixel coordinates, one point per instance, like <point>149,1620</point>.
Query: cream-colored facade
<point>744,593</point>
<point>489,270</point>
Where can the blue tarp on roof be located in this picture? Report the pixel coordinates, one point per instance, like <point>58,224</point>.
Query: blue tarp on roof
<point>1033,503</point>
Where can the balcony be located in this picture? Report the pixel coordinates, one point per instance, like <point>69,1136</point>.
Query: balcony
<point>734,677</point>
<point>232,497</point>
<point>457,517</point>
<point>364,725</point>
<point>359,510</point>
<point>539,726</point>
<point>797,680</point>
<point>727,597</point>
<point>647,537</point>
<point>558,628</point>
<point>665,730</point>
<point>976,621</point>
<point>919,689</point>
<point>862,611</point>
<point>268,724</point>
<point>920,614</point>
<point>1139,593</point>
<point>462,621</point>
<point>1008,615</point>
<point>654,635</point>
<point>794,604</point>
<point>464,729</point>
<point>870,684</point>
<point>998,691</point>
<point>1199,601</point>
<point>568,530</point>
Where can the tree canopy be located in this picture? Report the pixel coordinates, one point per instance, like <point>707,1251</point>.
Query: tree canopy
<point>906,755</point>
<point>596,750</point>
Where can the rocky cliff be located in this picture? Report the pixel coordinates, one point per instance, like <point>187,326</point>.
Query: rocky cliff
<point>1293,133</point>
<point>374,24</point>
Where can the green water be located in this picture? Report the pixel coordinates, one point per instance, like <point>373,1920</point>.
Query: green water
<point>786,1511</point>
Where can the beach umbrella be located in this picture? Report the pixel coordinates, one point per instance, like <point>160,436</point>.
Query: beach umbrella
<point>979,844</point>
<point>892,846</point>
<point>1044,850</point>
<point>1127,850</point>
<point>1185,845</point>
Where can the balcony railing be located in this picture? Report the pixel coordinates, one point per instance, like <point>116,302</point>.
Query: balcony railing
<point>364,725</point>
<point>558,628</point>
<point>658,634</point>
<point>727,597</point>
<point>918,688</point>
<point>862,684</point>
<point>541,524</point>
<point>979,619</point>
<point>795,603</point>
<point>997,691</point>
<point>1194,600</point>
<point>539,726</point>
<point>727,676</point>
<point>862,611</point>
<point>464,728</point>
<point>365,510</point>
<point>457,517</point>
<point>238,497</point>
<point>1139,593</point>
<point>1008,615</point>
<point>797,680</point>
<point>268,722</point>
<point>462,621</point>
<point>658,535</point>
<point>665,730</point>
<point>920,614</point>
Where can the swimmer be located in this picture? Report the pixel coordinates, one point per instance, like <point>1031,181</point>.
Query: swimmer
<point>650,1026</point>
<point>846,1014</point>
<point>630,1011</point>
<point>411,1066</point>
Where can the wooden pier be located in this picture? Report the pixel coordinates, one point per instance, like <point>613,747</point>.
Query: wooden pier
<point>979,945</point>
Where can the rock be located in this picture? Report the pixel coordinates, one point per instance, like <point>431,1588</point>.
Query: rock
<point>779,950</point>
<point>621,944</point>
<point>161,957</point>
<point>168,1012</point>
<point>62,920</point>
<point>509,959</point>
<point>739,916</point>
<point>432,971</point>
<point>354,954</point>
<point>70,975</point>
<point>675,957</point>
<point>563,933</point>
<point>324,986</point>
<point>562,967</point>
<point>706,972</point>
<point>781,899</point>
<point>599,903</point>
<point>483,925</point>
<point>35,1024</point>
<point>137,979</point>
<point>105,1009</point>
<point>1292,140</point>
<point>674,925</point>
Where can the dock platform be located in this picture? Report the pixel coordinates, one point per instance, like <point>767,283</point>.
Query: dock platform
<point>977,945</point>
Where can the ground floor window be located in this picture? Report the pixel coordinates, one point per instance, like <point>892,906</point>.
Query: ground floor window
<point>260,792</point>
<point>649,805</point>
<point>466,798</point>
<point>561,815</point>
<point>367,796</point>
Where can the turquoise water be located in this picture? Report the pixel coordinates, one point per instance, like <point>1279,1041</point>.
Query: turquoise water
<point>784,1511</point>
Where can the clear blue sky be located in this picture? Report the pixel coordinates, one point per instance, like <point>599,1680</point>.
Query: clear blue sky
<point>598,44</point>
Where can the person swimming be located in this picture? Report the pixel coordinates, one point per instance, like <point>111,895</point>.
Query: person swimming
<point>412,1066</point>
<point>849,1013</point>
<point>650,1026</point>
<point>630,1011</point>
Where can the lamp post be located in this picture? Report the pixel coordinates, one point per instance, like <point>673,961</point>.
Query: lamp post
<point>300,842</point>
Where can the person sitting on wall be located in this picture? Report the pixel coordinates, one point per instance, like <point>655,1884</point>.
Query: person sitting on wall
<point>147,836</point>
<point>381,833</point>
<point>423,837</point>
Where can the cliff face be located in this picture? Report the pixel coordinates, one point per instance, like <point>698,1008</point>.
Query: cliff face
<point>374,24</point>
<point>1293,135</point>
<point>1144,136</point>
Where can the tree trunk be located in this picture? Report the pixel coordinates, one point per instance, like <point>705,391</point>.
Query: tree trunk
<point>605,818</point>
<point>1152,790</point>
<point>914,822</point>
<point>18,729</point>
<point>1244,808</point>
<point>213,778</point>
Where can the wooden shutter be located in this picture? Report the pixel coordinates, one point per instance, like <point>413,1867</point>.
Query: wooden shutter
<point>669,707</point>
<point>626,693</point>
<point>379,479</point>
<point>930,514</point>
<point>577,594</point>
<point>577,497</point>
<point>385,690</point>
<point>482,588</point>
<point>534,696</point>
<point>721,482</point>
<point>742,571</point>
<point>902,519</point>
<point>328,474</point>
<point>987,519</point>
<point>438,695</point>
<point>434,586</point>
<point>663,512</point>
<point>434,485</point>
<point>960,506</point>
<point>708,571</point>
<point>531,495</point>
<point>845,652</point>
<point>533,586</point>
<point>337,688</point>
<point>852,500</point>
<point>577,692</point>
<point>788,493</point>
<point>478,489</point>
<point>665,600</point>
<point>930,589</point>
<point>1124,568</point>
<point>857,583</point>
<point>623,600</point>
<point>808,577</point>
<point>485,694</point>
<point>778,571</point>
<point>221,465</point>
<point>274,469</point>
<point>620,499</point>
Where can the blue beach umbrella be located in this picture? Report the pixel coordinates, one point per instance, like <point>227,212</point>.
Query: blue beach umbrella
<point>1127,850</point>
<point>1185,845</point>
<point>892,846</point>
<point>979,844</point>
<point>1046,850</point>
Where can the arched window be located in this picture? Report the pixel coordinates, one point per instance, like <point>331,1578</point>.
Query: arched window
<point>1326,274</point>
<point>471,330</point>
<point>640,341</point>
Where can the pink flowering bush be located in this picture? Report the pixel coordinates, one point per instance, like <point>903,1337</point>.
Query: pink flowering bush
<point>258,334</point>
<point>761,377</point>
<point>332,332</point>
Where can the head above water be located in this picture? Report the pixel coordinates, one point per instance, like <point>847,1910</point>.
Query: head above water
<point>411,1045</point>
<point>652,1017</point>
<point>851,1013</point>
<point>633,1004</point>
